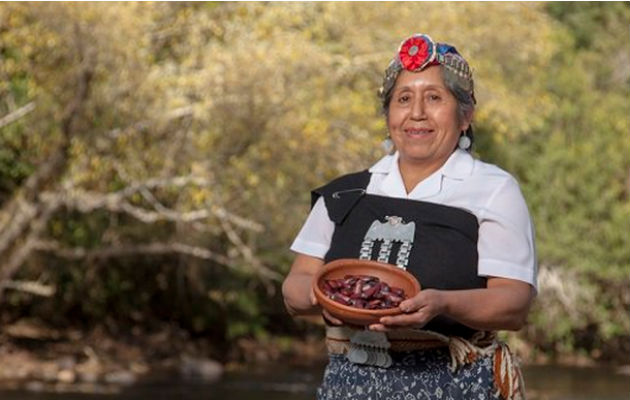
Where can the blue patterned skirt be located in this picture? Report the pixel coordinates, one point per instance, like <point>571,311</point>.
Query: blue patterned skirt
<point>420,374</point>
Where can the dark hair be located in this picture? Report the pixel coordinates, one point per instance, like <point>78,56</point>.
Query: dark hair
<point>465,100</point>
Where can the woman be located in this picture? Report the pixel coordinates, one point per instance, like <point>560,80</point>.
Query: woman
<point>471,246</point>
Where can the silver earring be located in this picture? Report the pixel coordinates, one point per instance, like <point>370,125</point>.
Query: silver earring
<point>464,142</point>
<point>388,145</point>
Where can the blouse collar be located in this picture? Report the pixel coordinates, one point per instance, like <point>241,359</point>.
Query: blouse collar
<point>458,166</point>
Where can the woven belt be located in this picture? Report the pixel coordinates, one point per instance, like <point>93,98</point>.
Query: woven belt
<point>338,340</point>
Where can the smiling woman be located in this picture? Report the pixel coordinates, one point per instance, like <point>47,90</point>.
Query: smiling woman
<point>459,225</point>
<point>423,123</point>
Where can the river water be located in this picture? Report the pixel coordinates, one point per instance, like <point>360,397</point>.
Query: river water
<point>283,382</point>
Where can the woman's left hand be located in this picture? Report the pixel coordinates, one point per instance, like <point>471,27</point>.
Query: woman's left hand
<point>417,311</point>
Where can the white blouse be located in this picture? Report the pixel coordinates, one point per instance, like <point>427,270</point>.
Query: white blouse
<point>506,234</point>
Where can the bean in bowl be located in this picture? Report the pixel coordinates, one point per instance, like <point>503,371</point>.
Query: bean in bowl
<point>363,291</point>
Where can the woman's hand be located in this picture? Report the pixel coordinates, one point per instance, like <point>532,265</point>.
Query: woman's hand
<point>417,311</point>
<point>297,289</point>
<point>503,305</point>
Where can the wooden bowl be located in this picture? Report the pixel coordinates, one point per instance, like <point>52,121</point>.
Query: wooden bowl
<point>390,274</point>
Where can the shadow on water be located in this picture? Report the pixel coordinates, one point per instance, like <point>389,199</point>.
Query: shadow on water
<point>282,382</point>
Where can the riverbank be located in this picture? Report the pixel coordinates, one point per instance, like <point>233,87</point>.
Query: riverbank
<point>38,358</point>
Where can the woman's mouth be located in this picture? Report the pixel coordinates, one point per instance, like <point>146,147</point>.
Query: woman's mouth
<point>418,131</point>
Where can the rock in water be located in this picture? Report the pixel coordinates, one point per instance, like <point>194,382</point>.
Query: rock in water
<point>200,368</point>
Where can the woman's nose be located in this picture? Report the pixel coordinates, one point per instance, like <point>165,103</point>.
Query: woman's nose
<point>417,110</point>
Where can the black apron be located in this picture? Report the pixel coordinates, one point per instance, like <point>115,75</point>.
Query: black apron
<point>443,253</point>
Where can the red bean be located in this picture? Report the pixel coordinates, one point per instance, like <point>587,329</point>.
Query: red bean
<point>371,290</point>
<point>393,298</point>
<point>358,303</point>
<point>363,291</point>
<point>340,298</point>
<point>398,291</point>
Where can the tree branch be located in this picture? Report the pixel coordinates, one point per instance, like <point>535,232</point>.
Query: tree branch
<point>15,223</point>
<point>87,201</point>
<point>17,257</point>
<point>32,287</point>
<point>17,114</point>
<point>247,252</point>
<point>155,248</point>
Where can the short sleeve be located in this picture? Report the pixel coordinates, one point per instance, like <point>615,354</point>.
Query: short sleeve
<point>316,233</point>
<point>506,236</point>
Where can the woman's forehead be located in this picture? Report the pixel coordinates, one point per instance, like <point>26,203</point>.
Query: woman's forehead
<point>430,77</point>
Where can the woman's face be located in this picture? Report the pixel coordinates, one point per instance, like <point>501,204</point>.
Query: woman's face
<point>423,120</point>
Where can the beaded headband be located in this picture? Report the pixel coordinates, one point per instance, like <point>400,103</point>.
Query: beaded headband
<point>420,51</point>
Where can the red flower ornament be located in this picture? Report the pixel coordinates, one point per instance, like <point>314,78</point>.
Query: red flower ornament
<point>417,52</point>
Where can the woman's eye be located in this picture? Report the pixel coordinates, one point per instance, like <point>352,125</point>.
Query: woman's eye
<point>434,97</point>
<point>403,99</point>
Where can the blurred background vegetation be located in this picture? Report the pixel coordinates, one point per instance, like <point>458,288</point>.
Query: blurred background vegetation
<point>156,159</point>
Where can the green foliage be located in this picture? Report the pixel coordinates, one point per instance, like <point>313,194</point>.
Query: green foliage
<point>574,173</point>
<point>267,101</point>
